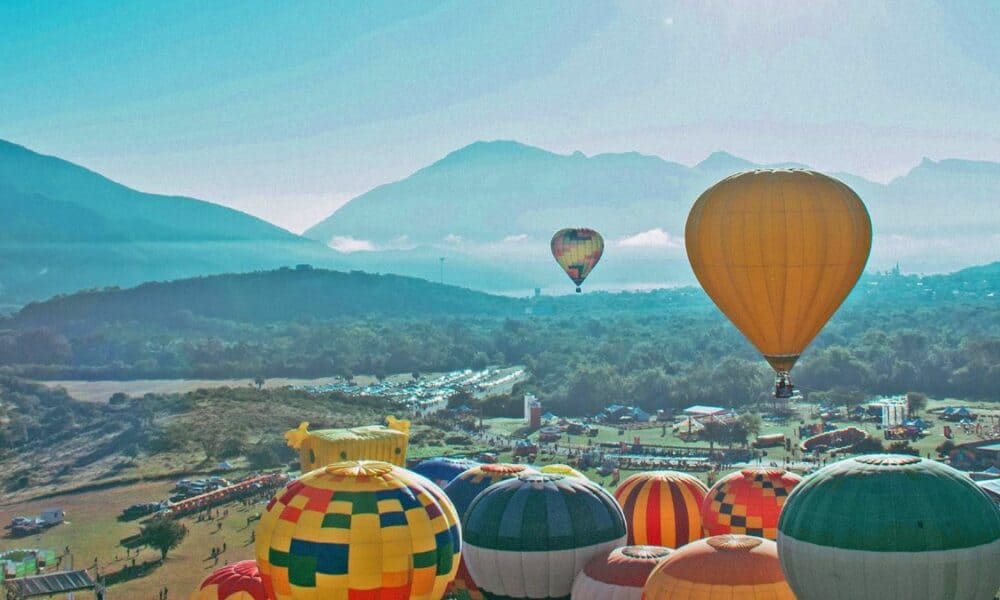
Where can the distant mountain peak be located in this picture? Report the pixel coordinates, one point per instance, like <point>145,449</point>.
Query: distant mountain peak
<point>951,167</point>
<point>722,161</point>
<point>494,150</point>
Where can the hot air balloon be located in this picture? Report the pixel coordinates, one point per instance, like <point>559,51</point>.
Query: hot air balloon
<point>662,507</point>
<point>363,529</point>
<point>734,567</point>
<point>462,491</point>
<point>561,469</point>
<point>619,575</point>
<point>529,537</point>
<point>577,251</point>
<point>464,488</point>
<point>238,581</point>
<point>326,446</point>
<point>890,526</point>
<point>747,502</point>
<point>778,251</point>
<point>441,470</point>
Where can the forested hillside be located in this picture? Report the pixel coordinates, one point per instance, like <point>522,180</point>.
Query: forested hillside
<point>939,335</point>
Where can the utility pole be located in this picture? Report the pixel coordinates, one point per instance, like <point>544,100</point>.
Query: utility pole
<point>441,261</point>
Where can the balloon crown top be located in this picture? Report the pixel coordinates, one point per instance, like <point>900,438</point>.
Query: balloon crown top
<point>645,552</point>
<point>502,468</point>
<point>359,469</point>
<point>752,472</point>
<point>738,543</point>
<point>888,460</point>
<point>775,171</point>
<point>540,477</point>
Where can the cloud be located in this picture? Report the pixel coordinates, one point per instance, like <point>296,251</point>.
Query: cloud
<point>654,238</point>
<point>451,238</point>
<point>347,244</point>
<point>668,21</point>
<point>510,239</point>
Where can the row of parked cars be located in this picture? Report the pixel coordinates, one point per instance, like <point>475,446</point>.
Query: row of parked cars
<point>183,489</point>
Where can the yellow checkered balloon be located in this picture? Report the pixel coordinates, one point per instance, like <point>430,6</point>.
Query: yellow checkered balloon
<point>363,530</point>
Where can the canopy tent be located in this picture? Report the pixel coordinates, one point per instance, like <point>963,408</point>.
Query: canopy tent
<point>60,582</point>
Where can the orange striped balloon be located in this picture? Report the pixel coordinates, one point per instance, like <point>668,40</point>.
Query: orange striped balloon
<point>662,508</point>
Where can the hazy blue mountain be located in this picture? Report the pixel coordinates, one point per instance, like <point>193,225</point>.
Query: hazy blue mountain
<point>486,192</point>
<point>497,203</point>
<point>67,228</point>
<point>266,296</point>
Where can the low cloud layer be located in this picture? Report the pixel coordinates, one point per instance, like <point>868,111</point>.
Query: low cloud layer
<point>347,244</point>
<point>654,238</point>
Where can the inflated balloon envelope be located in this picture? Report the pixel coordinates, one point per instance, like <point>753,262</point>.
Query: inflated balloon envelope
<point>577,250</point>
<point>778,251</point>
<point>529,537</point>
<point>890,526</point>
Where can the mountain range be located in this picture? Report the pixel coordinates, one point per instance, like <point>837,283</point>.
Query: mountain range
<point>504,199</point>
<point>67,228</point>
<point>487,209</point>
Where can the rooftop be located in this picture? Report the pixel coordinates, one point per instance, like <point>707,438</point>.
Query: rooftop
<point>700,409</point>
<point>49,584</point>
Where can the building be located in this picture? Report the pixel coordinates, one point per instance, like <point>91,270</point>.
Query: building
<point>957,414</point>
<point>529,401</point>
<point>976,456</point>
<point>892,411</point>
<point>617,413</point>
<point>52,516</point>
<point>992,489</point>
<point>532,411</point>
<point>700,411</point>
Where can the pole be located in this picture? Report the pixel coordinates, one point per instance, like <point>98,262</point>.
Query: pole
<point>441,261</point>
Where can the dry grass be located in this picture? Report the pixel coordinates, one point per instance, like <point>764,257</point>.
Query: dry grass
<point>100,391</point>
<point>93,531</point>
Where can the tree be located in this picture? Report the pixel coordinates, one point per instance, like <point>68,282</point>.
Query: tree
<point>118,398</point>
<point>903,447</point>
<point>649,388</point>
<point>461,397</point>
<point>212,444</point>
<point>869,445</point>
<point>591,388</point>
<point>267,453</point>
<point>737,432</point>
<point>836,366</point>
<point>259,382</point>
<point>945,448</point>
<point>752,422</point>
<point>848,398</point>
<point>916,402</point>
<point>163,534</point>
<point>714,432</point>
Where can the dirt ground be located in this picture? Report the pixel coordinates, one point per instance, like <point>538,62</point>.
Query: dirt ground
<point>100,391</point>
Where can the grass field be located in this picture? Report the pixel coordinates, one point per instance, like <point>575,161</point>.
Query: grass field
<point>93,531</point>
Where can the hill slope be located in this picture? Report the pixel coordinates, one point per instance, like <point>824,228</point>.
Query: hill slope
<point>67,228</point>
<point>267,296</point>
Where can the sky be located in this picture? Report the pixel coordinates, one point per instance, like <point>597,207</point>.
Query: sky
<point>287,110</point>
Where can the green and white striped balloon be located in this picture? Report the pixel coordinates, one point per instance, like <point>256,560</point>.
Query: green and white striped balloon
<point>890,526</point>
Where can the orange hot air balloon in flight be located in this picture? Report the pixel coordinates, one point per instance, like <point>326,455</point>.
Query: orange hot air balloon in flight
<point>577,251</point>
<point>778,251</point>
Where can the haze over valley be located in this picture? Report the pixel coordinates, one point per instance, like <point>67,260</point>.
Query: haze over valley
<point>488,209</point>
